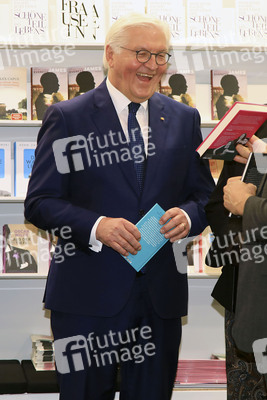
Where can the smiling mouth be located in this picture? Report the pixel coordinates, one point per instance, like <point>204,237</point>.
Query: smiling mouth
<point>145,76</point>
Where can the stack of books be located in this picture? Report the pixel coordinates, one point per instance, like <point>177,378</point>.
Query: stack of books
<point>201,373</point>
<point>43,356</point>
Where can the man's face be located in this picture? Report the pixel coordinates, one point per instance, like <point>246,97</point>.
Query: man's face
<point>137,81</point>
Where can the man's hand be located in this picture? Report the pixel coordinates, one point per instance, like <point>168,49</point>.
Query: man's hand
<point>236,194</point>
<point>177,228</point>
<point>119,234</point>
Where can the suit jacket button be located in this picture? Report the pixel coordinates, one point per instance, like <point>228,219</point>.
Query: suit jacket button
<point>141,213</point>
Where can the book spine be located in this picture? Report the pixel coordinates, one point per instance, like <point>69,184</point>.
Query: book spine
<point>15,169</point>
<point>212,97</point>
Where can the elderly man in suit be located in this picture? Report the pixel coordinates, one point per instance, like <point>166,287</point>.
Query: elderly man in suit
<point>95,177</point>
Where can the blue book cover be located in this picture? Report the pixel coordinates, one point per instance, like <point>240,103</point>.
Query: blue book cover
<point>5,169</point>
<point>24,154</point>
<point>151,238</point>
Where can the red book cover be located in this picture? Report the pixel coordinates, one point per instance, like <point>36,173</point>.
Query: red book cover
<point>240,122</point>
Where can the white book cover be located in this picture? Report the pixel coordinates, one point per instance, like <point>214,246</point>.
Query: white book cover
<point>29,21</point>
<point>80,21</point>
<point>5,169</point>
<point>172,12</point>
<point>24,155</point>
<point>83,79</point>
<point>5,23</point>
<point>210,22</point>
<point>180,85</point>
<point>13,92</point>
<point>251,18</point>
<point>25,249</point>
<point>118,8</point>
<point>48,86</point>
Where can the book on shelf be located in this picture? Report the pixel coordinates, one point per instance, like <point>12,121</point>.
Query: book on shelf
<point>197,250</point>
<point>29,22</point>
<point>117,8</point>
<point>210,22</point>
<point>48,86</point>
<point>180,85</point>
<point>5,169</point>
<point>24,155</point>
<point>251,22</point>
<point>238,125</point>
<point>83,79</point>
<point>25,249</point>
<point>201,373</point>
<point>172,12</point>
<point>13,89</point>
<point>151,238</point>
<point>43,354</point>
<point>80,22</point>
<point>227,87</point>
<point>5,23</point>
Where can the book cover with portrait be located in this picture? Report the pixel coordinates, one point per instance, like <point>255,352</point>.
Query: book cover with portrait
<point>48,86</point>
<point>227,87</point>
<point>180,85</point>
<point>83,79</point>
<point>25,249</point>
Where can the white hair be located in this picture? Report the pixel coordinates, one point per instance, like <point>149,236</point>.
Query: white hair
<point>117,37</point>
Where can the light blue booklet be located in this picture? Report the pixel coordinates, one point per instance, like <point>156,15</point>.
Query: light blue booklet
<point>151,238</point>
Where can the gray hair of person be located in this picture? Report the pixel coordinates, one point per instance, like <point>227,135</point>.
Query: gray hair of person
<point>117,33</point>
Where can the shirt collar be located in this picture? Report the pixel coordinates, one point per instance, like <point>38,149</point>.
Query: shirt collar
<point>120,101</point>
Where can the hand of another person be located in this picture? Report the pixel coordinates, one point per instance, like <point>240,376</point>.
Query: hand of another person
<point>177,228</point>
<point>119,234</point>
<point>243,153</point>
<point>236,194</point>
<point>254,144</point>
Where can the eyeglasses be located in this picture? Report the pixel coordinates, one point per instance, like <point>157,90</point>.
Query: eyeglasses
<point>144,56</point>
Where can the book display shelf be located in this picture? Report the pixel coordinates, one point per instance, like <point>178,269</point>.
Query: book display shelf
<point>21,309</point>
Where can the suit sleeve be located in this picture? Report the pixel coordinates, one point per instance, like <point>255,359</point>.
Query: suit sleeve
<point>47,203</point>
<point>255,218</point>
<point>199,183</point>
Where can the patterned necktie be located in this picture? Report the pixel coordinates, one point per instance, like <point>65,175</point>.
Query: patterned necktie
<point>136,144</point>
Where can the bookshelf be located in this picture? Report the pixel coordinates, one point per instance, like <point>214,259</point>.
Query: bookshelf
<point>21,309</point>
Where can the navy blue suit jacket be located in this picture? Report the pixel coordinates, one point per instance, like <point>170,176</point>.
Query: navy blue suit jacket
<point>86,282</point>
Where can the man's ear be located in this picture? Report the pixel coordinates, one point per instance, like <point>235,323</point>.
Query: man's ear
<point>109,55</point>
